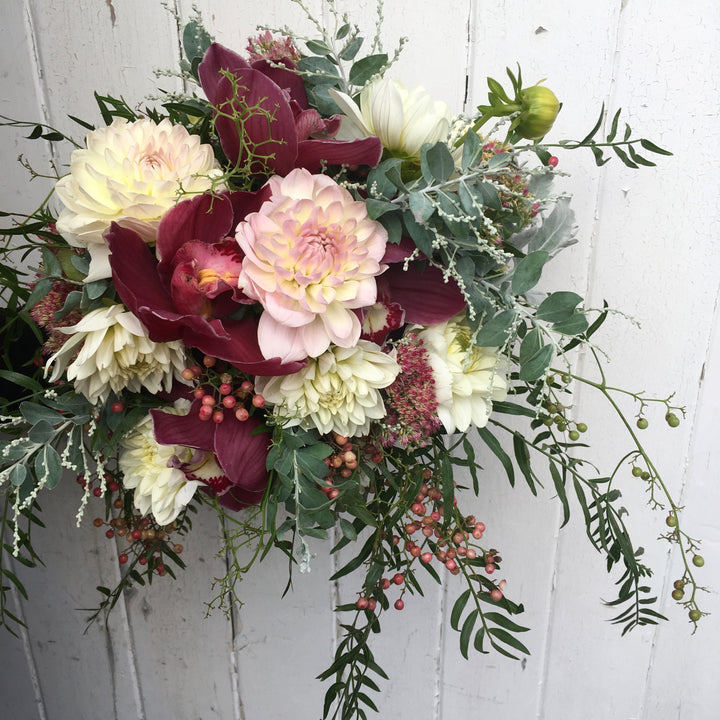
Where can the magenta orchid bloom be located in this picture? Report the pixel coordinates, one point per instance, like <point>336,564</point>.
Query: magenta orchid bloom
<point>231,457</point>
<point>191,292</point>
<point>286,131</point>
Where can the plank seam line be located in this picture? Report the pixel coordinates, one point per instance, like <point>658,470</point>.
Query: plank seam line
<point>582,363</point>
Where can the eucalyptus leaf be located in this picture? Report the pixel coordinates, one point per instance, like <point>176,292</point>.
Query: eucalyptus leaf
<point>18,475</point>
<point>528,271</point>
<point>364,69</point>
<point>558,307</point>
<point>318,70</point>
<point>496,331</point>
<point>351,49</point>
<point>50,263</point>
<point>41,432</point>
<point>574,325</point>
<point>34,413</point>
<point>317,47</point>
<point>421,206</point>
<point>436,162</point>
<point>535,366</point>
<point>472,150</point>
<point>48,466</point>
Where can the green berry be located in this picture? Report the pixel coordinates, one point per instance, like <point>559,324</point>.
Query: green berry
<point>642,423</point>
<point>548,421</point>
<point>671,520</point>
<point>679,584</point>
<point>645,475</point>
<point>574,435</point>
<point>562,427</point>
<point>698,560</point>
<point>636,471</point>
<point>566,378</point>
<point>672,420</point>
<point>551,408</point>
<point>678,595</point>
<point>582,427</point>
<point>694,615</point>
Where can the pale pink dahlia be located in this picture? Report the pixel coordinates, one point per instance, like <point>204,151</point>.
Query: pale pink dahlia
<point>311,258</point>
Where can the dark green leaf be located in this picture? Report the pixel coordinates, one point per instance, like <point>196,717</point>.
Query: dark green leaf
<point>508,639</point>
<point>492,442</point>
<point>466,632</point>
<point>623,156</point>
<point>574,325</point>
<point>523,460</point>
<point>348,529</point>
<point>614,126</point>
<point>505,622</point>
<point>34,412</point>
<point>652,147</point>
<point>458,608</point>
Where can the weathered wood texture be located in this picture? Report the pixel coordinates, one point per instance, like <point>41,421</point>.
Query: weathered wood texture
<point>649,244</point>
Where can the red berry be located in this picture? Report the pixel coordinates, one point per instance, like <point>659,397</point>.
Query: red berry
<point>426,557</point>
<point>246,386</point>
<point>117,407</point>
<point>80,479</point>
<point>97,492</point>
<point>161,570</point>
<point>372,604</point>
<point>142,560</point>
<point>209,361</point>
<point>496,595</point>
<point>198,393</point>
<point>258,401</point>
<point>552,161</point>
<point>187,374</point>
<point>218,416</point>
<point>113,486</point>
<point>399,604</point>
<point>225,389</point>
<point>229,402</point>
<point>122,558</point>
<point>205,412</point>
<point>362,603</point>
<point>136,534</point>
<point>385,583</point>
<point>242,414</point>
<point>109,534</point>
<point>450,565</point>
<point>489,569</point>
<point>208,400</point>
<point>196,370</point>
<point>398,578</point>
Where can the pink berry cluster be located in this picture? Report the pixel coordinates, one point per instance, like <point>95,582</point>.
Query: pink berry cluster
<point>424,537</point>
<point>221,391</point>
<point>148,540</point>
<point>343,462</point>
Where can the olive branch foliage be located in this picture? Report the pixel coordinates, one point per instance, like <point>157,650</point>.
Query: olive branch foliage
<point>469,218</point>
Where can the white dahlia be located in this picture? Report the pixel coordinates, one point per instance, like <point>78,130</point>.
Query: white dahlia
<point>404,121</point>
<point>467,378</point>
<point>151,470</point>
<point>132,173</point>
<point>336,392</point>
<point>116,354</point>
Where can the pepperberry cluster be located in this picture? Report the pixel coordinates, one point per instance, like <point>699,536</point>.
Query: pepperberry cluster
<point>221,389</point>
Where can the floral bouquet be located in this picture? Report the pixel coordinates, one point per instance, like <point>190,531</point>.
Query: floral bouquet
<point>307,298</point>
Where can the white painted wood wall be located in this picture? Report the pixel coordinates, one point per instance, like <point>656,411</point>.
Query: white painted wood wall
<point>650,244</point>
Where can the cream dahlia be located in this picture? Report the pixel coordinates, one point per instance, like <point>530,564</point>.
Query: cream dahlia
<point>151,470</point>
<point>115,353</point>
<point>404,121</point>
<point>132,173</point>
<point>467,378</point>
<point>336,392</point>
<point>311,257</point>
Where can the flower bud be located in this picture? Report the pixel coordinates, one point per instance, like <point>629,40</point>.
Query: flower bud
<point>540,107</point>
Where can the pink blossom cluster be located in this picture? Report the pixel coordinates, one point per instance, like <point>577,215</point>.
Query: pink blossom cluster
<point>266,47</point>
<point>43,313</point>
<point>411,403</point>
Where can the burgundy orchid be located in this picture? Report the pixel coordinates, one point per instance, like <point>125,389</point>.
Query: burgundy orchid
<point>191,292</point>
<point>419,294</point>
<point>277,122</point>
<point>238,450</point>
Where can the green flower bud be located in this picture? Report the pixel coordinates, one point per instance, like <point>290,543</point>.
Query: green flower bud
<point>540,107</point>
